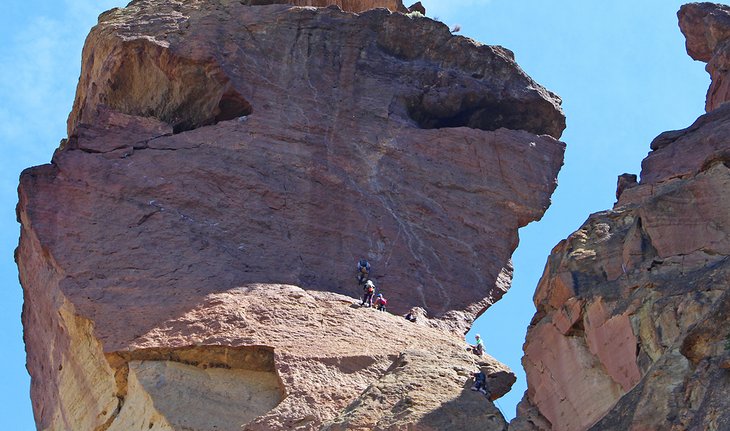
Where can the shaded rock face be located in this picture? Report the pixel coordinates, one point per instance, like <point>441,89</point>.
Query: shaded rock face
<point>632,310</point>
<point>707,29</point>
<point>226,166</point>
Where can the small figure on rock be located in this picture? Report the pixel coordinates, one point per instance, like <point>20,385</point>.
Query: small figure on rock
<point>478,348</point>
<point>410,317</point>
<point>363,271</point>
<point>380,302</point>
<point>368,292</point>
<point>480,383</point>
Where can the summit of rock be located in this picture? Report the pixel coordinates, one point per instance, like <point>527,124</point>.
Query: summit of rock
<point>707,29</point>
<point>227,164</point>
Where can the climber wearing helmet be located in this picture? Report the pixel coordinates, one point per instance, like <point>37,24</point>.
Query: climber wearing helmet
<point>478,348</point>
<point>363,271</point>
<point>368,292</point>
<point>381,302</point>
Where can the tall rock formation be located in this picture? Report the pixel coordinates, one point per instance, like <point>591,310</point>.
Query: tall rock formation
<point>188,256</point>
<point>632,330</point>
<point>707,29</point>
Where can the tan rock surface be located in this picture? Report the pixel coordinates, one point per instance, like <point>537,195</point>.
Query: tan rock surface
<point>632,310</point>
<point>219,156</point>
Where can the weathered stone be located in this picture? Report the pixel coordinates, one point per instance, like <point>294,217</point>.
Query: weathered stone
<point>570,313</point>
<point>668,253</point>
<point>625,181</point>
<point>346,5</point>
<point>687,152</point>
<point>652,278</point>
<point>528,418</point>
<point>226,166</point>
<point>406,188</point>
<point>417,7</point>
<point>707,29</point>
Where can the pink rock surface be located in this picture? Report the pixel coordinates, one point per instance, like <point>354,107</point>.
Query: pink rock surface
<point>612,340</point>
<point>226,166</point>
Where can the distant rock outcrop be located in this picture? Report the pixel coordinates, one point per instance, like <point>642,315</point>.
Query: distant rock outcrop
<point>226,166</point>
<point>707,29</point>
<point>633,309</point>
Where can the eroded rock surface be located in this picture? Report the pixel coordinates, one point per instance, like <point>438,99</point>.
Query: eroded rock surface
<point>707,29</point>
<point>632,310</point>
<point>226,166</point>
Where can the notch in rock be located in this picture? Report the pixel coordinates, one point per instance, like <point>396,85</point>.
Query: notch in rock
<point>449,111</point>
<point>231,105</point>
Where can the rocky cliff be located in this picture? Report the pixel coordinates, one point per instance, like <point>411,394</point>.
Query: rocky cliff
<point>188,256</point>
<point>707,29</point>
<point>632,322</point>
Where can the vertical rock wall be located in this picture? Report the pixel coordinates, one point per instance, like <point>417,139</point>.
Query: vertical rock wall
<point>632,323</point>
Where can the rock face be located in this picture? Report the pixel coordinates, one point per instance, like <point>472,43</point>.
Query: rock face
<point>346,5</point>
<point>632,318</point>
<point>707,29</point>
<point>226,166</point>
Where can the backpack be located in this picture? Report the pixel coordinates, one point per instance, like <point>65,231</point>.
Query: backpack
<point>371,289</point>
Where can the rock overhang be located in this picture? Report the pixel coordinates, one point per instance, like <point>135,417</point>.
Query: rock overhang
<point>441,83</point>
<point>453,76</point>
<point>220,151</point>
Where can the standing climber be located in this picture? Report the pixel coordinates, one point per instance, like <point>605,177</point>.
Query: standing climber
<point>363,271</point>
<point>480,383</point>
<point>478,348</point>
<point>380,302</point>
<point>368,292</point>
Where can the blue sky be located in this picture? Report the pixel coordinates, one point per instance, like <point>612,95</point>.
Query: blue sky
<point>620,67</point>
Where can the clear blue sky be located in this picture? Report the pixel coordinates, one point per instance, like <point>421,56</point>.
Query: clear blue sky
<point>620,67</point>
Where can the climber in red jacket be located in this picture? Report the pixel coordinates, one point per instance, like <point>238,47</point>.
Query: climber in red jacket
<point>381,302</point>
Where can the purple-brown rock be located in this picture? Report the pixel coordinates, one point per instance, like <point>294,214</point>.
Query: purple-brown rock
<point>707,29</point>
<point>226,166</point>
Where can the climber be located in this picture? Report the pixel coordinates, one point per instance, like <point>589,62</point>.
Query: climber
<point>380,302</point>
<point>478,348</point>
<point>480,383</point>
<point>368,292</point>
<point>410,317</point>
<point>363,271</point>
